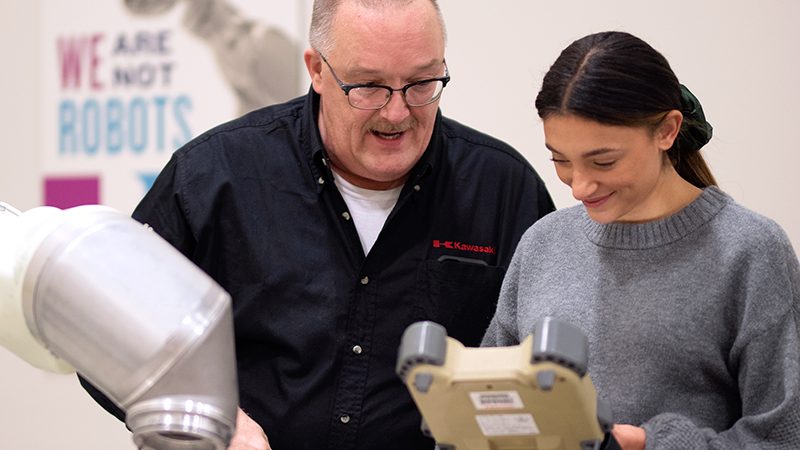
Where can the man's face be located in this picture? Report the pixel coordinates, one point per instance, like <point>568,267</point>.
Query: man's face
<point>376,149</point>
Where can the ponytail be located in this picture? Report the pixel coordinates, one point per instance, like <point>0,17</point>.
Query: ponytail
<point>694,134</point>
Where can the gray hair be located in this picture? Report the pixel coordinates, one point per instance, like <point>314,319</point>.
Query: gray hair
<point>319,35</point>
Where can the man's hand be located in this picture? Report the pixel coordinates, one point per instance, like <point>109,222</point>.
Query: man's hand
<point>629,437</point>
<point>249,435</point>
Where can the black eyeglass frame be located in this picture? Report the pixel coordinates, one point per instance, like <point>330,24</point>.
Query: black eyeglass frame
<point>347,87</point>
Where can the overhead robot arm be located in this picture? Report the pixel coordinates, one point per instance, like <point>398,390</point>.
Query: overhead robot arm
<point>92,290</point>
<point>533,396</point>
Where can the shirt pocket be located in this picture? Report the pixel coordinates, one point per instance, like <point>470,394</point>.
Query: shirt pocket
<point>459,294</point>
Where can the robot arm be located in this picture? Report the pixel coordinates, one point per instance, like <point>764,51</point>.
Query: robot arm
<point>92,290</point>
<point>18,243</point>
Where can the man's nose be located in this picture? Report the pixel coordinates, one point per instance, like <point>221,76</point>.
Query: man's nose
<point>396,110</point>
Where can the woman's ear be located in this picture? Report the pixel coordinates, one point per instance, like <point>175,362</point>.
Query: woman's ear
<point>668,129</point>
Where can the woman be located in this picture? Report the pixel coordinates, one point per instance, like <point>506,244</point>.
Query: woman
<point>689,300</point>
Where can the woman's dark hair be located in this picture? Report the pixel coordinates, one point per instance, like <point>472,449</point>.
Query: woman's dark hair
<point>616,78</point>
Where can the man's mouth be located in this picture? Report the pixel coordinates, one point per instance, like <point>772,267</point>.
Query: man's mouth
<point>387,135</point>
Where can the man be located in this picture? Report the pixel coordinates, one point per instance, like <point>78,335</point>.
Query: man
<point>338,219</point>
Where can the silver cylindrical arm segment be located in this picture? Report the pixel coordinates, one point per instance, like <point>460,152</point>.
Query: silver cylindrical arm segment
<point>138,320</point>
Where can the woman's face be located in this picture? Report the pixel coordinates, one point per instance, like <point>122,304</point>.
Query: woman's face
<point>620,173</point>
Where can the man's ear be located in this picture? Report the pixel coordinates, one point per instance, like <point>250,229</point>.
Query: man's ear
<point>668,129</point>
<point>314,67</point>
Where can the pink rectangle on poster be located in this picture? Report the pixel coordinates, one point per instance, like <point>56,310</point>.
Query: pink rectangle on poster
<point>66,192</point>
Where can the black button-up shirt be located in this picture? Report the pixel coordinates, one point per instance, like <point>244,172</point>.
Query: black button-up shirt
<point>318,323</point>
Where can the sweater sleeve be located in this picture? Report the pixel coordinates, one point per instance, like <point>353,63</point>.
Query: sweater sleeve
<point>767,362</point>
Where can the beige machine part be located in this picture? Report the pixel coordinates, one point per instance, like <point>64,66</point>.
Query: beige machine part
<point>535,395</point>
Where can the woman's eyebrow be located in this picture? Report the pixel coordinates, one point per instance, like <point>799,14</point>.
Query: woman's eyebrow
<point>596,152</point>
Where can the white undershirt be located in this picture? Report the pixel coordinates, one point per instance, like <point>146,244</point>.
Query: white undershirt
<point>368,209</point>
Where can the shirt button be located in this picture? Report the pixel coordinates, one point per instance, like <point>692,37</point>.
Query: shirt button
<point>365,280</point>
<point>417,187</point>
<point>357,349</point>
<point>321,180</point>
<point>346,215</point>
<point>344,419</point>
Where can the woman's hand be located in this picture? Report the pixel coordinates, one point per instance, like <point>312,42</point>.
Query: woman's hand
<point>629,437</point>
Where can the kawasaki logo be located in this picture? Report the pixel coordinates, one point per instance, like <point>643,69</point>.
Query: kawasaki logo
<point>455,245</point>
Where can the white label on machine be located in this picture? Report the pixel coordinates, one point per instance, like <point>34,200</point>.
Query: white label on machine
<point>487,400</point>
<point>507,424</point>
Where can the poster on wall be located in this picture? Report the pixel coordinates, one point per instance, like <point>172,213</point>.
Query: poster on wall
<point>127,82</point>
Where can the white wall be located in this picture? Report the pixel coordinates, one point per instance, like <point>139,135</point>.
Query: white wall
<point>739,57</point>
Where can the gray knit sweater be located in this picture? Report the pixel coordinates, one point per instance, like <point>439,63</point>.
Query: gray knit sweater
<point>692,320</point>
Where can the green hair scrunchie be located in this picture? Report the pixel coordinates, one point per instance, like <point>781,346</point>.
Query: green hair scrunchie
<point>696,131</point>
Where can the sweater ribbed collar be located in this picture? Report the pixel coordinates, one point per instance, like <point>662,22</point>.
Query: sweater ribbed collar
<point>632,236</point>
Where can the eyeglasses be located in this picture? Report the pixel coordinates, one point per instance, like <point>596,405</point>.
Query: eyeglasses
<point>376,96</point>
